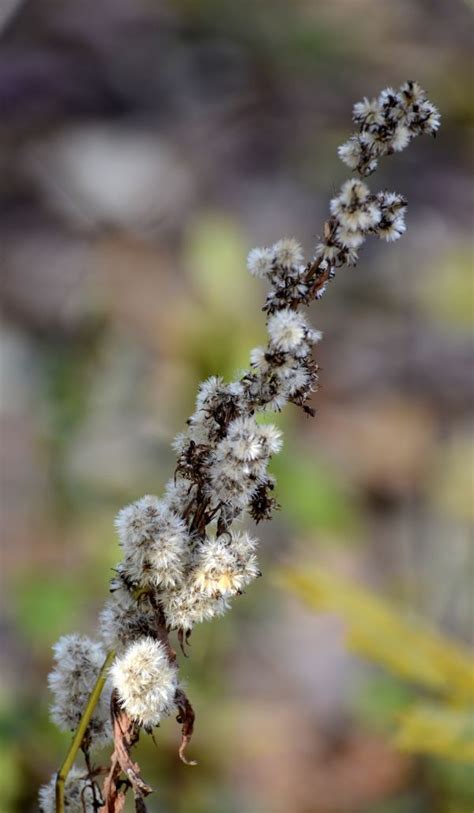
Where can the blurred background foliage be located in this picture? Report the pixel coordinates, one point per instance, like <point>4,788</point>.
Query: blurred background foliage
<point>145,148</point>
<point>382,634</point>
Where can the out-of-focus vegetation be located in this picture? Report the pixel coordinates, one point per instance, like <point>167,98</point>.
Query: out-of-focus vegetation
<point>407,650</point>
<point>144,149</point>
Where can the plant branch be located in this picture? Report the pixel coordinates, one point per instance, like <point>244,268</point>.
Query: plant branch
<point>126,734</point>
<point>80,732</point>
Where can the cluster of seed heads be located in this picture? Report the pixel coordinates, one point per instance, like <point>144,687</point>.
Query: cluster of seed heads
<point>184,556</point>
<point>387,125</point>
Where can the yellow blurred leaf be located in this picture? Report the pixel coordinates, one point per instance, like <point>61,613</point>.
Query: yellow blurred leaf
<point>215,256</point>
<point>452,482</point>
<point>384,634</point>
<point>430,728</point>
<point>449,296</point>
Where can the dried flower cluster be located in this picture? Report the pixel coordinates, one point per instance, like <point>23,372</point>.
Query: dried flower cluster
<point>183,559</point>
<point>78,663</point>
<point>387,125</point>
<point>146,681</point>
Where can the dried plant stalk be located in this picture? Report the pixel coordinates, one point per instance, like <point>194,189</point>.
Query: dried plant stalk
<point>184,559</point>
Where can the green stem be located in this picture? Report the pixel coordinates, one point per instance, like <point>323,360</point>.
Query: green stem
<point>81,730</point>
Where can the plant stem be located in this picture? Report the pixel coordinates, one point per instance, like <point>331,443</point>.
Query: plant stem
<point>81,730</point>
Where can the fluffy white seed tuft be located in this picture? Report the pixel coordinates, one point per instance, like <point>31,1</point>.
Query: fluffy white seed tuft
<point>350,152</point>
<point>288,253</point>
<point>392,228</point>
<point>349,238</point>
<point>229,483</point>
<point>388,124</point>
<point>224,566</point>
<point>354,207</point>
<point>124,619</point>
<point>368,112</point>
<point>257,358</point>
<point>271,438</point>
<point>296,378</point>
<point>243,441</point>
<point>260,262</point>
<point>78,661</point>
<point>178,493</point>
<point>188,606</point>
<point>401,138</point>
<point>287,329</point>
<point>155,543</point>
<point>145,681</point>
<point>209,389</point>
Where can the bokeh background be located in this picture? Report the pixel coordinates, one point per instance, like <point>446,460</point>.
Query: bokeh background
<point>145,147</point>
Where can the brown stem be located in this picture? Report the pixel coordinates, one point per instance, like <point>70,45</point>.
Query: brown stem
<point>96,802</point>
<point>161,629</point>
<point>314,276</point>
<point>125,736</point>
<point>197,526</point>
<point>110,789</point>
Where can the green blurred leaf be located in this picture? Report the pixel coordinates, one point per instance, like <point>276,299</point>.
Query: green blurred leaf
<point>380,700</point>
<point>312,495</point>
<point>455,780</point>
<point>46,605</point>
<point>405,803</point>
